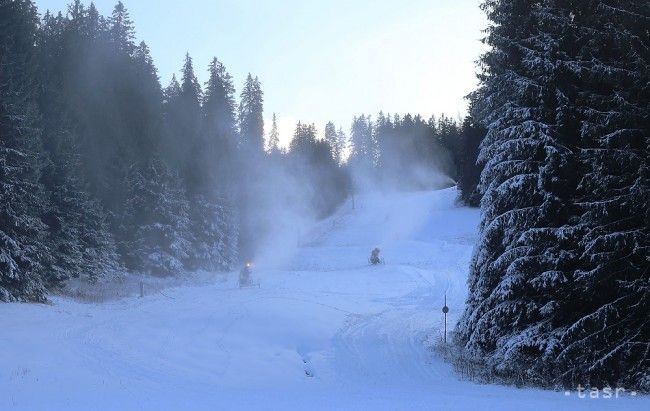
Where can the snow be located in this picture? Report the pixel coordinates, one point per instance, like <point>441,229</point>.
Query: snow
<point>326,331</point>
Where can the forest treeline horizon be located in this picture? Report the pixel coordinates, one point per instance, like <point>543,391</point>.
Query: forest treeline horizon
<point>106,171</point>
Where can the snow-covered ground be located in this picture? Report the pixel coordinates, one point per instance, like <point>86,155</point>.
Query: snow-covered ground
<point>326,331</point>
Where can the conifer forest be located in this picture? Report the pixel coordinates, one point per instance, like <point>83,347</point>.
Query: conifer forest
<point>179,231</point>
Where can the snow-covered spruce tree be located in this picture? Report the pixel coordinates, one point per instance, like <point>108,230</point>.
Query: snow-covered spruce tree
<point>520,274</point>
<point>332,138</point>
<point>81,244</point>
<point>361,141</point>
<point>79,237</point>
<point>342,144</point>
<point>121,31</point>
<point>100,259</point>
<point>188,137</point>
<point>219,131</point>
<point>273,146</point>
<point>200,142</point>
<point>173,129</point>
<point>250,171</point>
<point>214,234</point>
<point>156,235</point>
<point>364,154</point>
<point>606,334</point>
<point>21,196</point>
<point>212,224</point>
<point>251,120</point>
<point>385,133</point>
<point>559,281</point>
<point>447,133</point>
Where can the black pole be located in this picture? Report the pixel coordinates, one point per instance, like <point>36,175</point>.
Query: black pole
<point>445,310</point>
<point>445,319</point>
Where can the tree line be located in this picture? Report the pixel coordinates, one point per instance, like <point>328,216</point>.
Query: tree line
<point>409,152</point>
<point>105,171</point>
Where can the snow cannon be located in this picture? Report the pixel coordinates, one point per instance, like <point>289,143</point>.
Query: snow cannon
<point>374,257</point>
<point>245,278</point>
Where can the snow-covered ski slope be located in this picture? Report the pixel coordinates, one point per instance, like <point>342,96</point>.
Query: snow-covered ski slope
<point>325,331</point>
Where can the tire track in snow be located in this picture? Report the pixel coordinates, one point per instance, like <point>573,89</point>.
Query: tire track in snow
<point>391,345</point>
<point>387,347</point>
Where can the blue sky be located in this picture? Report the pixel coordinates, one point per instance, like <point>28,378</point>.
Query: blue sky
<point>321,60</point>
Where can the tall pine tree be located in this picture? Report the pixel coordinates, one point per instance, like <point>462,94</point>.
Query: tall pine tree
<point>156,220</point>
<point>274,138</point>
<point>213,221</point>
<point>557,294</point>
<point>608,332</point>
<point>22,233</point>
<point>332,138</point>
<point>251,116</point>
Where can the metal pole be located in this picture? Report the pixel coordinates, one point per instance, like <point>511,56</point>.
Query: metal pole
<point>141,289</point>
<point>445,310</point>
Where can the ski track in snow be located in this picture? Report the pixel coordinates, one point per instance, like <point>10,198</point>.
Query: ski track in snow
<point>326,331</point>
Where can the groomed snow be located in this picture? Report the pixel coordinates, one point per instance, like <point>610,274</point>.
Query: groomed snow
<point>325,332</point>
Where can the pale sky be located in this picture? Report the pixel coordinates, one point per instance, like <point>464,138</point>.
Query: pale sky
<point>321,61</point>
